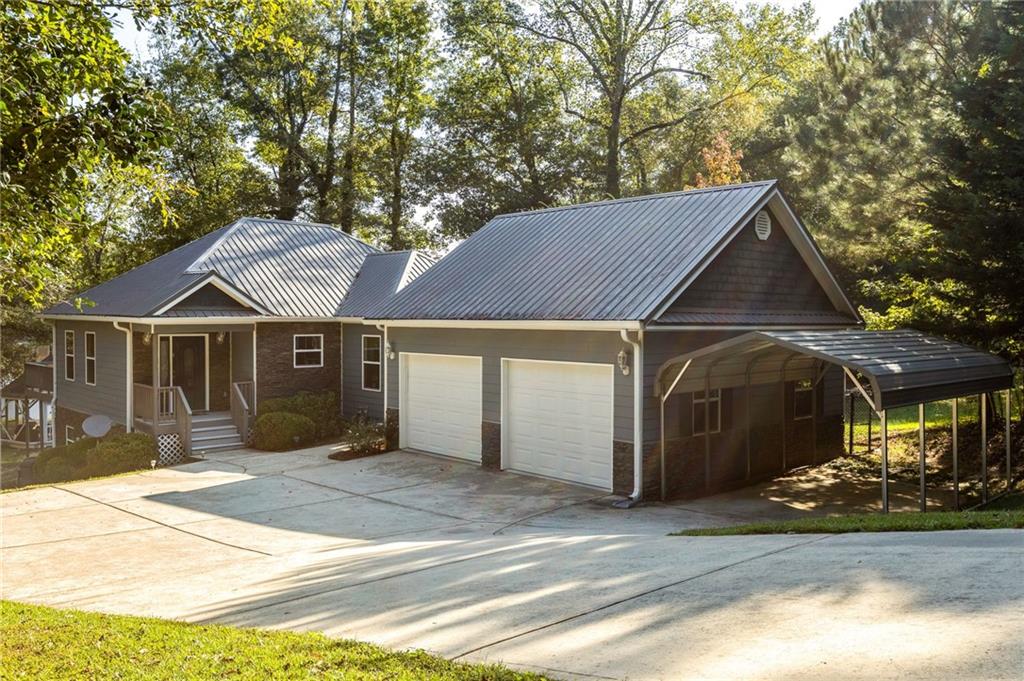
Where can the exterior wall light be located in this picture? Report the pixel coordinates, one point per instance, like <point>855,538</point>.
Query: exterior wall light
<point>389,350</point>
<point>623,362</point>
<point>220,337</point>
<point>147,338</point>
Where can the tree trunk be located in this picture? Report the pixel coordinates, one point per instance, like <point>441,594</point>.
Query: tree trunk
<point>348,163</point>
<point>611,168</point>
<point>395,217</point>
<point>289,186</point>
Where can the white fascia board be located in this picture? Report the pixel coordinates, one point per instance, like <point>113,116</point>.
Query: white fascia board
<point>536,324</point>
<point>213,280</point>
<point>182,321</point>
<point>758,327</point>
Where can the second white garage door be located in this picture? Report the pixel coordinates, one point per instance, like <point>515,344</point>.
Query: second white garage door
<point>558,420</point>
<point>440,408</point>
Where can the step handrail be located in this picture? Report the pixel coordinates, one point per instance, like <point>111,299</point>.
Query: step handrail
<point>240,411</point>
<point>183,419</point>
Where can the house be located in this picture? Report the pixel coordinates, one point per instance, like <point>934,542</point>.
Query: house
<point>560,342</point>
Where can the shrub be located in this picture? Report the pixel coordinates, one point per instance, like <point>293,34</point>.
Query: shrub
<point>364,436</point>
<point>321,408</point>
<point>279,431</point>
<point>120,453</point>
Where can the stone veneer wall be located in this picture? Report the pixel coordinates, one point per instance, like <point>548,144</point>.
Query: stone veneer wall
<point>275,374</point>
<point>391,432</point>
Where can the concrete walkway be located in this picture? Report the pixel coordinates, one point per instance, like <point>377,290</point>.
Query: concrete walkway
<point>413,551</point>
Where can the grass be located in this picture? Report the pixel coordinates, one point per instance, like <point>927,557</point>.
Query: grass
<point>37,642</point>
<point>1011,516</point>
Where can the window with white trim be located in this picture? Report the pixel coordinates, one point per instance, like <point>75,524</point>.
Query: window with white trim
<point>90,358</point>
<point>69,434</point>
<point>707,409</point>
<point>803,399</point>
<point>371,363</point>
<point>69,355</point>
<point>308,350</point>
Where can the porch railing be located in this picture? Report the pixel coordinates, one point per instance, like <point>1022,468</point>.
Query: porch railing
<point>182,419</point>
<point>171,408</point>
<point>241,411</point>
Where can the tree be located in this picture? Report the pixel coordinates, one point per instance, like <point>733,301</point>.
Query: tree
<point>721,164</point>
<point>498,135</point>
<point>70,107</point>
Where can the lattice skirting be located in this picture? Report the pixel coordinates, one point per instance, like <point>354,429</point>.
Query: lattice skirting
<point>170,449</point>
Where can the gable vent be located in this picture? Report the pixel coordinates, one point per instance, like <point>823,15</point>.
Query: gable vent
<point>763,225</point>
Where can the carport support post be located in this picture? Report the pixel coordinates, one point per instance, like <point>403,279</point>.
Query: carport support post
<point>707,428</point>
<point>984,447</point>
<point>920,442</point>
<point>885,461</point>
<point>956,455</point>
<point>850,449</point>
<point>1009,468</point>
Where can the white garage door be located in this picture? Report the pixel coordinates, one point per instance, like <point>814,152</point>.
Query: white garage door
<point>440,408</point>
<point>559,420</point>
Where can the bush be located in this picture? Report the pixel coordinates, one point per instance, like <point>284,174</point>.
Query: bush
<point>89,457</point>
<point>280,431</point>
<point>364,436</point>
<point>120,453</point>
<point>321,408</point>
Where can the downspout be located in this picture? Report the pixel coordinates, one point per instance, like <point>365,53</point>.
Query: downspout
<point>638,419</point>
<point>129,376</point>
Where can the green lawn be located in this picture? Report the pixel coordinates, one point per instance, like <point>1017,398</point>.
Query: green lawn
<point>43,643</point>
<point>876,522</point>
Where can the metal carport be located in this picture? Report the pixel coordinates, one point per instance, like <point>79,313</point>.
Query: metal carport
<point>889,368</point>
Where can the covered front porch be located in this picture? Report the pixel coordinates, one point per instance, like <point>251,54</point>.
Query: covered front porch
<point>193,385</point>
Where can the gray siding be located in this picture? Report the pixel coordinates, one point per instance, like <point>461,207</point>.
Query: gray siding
<point>494,344</point>
<point>354,398</point>
<point>108,396</point>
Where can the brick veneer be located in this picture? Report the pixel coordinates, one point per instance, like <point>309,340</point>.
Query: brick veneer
<point>490,438</point>
<point>62,417</point>
<point>275,374</point>
<point>391,432</point>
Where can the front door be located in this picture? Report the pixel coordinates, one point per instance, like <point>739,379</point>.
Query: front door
<point>184,365</point>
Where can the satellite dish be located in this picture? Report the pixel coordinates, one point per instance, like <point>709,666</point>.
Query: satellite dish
<point>96,426</point>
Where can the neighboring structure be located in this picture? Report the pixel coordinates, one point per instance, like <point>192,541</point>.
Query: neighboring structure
<point>552,342</point>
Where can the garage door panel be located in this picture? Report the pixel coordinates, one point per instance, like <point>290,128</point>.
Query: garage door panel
<point>442,404</point>
<point>559,420</point>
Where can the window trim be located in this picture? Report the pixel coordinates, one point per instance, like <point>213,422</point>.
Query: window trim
<point>73,355</point>
<point>379,363</point>
<point>694,401</point>
<point>296,350</point>
<point>798,389</point>
<point>68,432</point>
<point>88,358</point>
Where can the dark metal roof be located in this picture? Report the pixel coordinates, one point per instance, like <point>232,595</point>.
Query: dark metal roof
<point>293,269</point>
<point>611,260</point>
<point>754,319</point>
<point>380,277</point>
<point>899,367</point>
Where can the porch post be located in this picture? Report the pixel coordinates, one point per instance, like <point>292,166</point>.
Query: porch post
<point>27,420</point>
<point>154,348</point>
<point>707,428</point>
<point>850,448</point>
<point>885,461</point>
<point>44,421</point>
<point>984,447</point>
<point>920,442</point>
<point>746,394</point>
<point>956,456</point>
<point>1009,468</point>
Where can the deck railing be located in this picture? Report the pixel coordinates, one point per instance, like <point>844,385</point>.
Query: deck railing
<point>241,411</point>
<point>172,410</point>
<point>182,419</point>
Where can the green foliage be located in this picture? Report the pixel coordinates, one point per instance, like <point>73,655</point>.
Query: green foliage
<point>45,643</point>
<point>364,435</point>
<point>874,522</point>
<point>89,457</point>
<point>281,431</point>
<point>321,408</point>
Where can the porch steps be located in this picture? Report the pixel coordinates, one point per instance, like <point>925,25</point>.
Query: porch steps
<point>214,431</point>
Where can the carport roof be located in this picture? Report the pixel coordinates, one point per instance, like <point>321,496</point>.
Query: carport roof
<point>899,368</point>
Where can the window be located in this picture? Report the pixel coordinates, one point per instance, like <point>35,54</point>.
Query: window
<point>69,355</point>
<point>90,358</point>
<point>803,399</point>
<point>308,350</point>
<point>69,435</point>
<point>371,362</point>
<point>707,409</point>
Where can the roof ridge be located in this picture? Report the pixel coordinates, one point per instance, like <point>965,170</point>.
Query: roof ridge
<point>645,197</point>
<point>212,247</point>
<point>306,223</point>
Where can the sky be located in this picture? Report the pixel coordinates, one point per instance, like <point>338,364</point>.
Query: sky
<point>829,12</point>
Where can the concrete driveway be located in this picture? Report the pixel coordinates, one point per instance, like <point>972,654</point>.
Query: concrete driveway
<point>413,551</point>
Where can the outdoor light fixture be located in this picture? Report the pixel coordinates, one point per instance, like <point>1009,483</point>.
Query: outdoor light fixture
<point>147,338</point>
<point>220,337</point>
<point>623,362</point>
<point>389,350</point>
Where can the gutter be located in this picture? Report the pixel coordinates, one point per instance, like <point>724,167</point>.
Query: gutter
<point>638,419</point>
<point>129,375</point>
